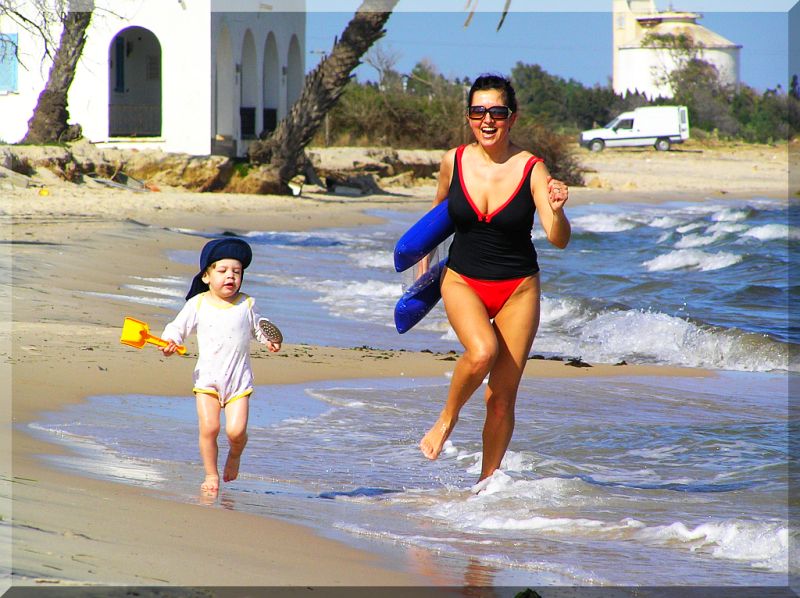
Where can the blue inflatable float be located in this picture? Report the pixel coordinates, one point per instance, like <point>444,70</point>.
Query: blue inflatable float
<point>423,237</point>
<point>419,240</point>
<point>419,299</point>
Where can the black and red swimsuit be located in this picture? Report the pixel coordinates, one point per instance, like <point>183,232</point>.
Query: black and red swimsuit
<point>493,252</point>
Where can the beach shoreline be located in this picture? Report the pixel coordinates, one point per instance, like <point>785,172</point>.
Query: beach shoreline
<point>64,348</point>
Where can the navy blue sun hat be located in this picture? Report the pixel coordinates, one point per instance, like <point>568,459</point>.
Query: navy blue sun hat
<point>229,248</point>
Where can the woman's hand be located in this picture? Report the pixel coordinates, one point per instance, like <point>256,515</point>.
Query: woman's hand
<point>557,193</point>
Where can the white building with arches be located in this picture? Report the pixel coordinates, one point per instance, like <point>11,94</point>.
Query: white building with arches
<point>193,76</point>
<point>637,67</point>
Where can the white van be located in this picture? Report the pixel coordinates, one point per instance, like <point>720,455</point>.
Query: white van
<point>659,126</point>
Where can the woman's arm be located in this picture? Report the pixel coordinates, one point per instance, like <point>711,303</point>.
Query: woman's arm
<point>445,174</point>
<point>550,205</point>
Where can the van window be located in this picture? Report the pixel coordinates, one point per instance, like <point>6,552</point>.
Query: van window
<point>8,62</point>
<point>626,123</point>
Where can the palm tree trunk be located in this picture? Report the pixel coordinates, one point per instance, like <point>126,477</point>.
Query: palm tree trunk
<point>283,151</point>
<point>49,121</point>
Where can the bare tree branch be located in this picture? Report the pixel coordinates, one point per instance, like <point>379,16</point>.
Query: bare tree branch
<point>474,7</point>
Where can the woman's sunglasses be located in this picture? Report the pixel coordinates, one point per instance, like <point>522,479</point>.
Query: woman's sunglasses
<point>496,112</point>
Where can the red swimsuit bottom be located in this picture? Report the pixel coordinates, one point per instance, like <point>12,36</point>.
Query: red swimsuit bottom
<point>493,293</point>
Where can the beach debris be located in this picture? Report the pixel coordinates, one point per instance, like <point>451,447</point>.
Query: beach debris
<point>296,185</point>
<point>352,186</point>
<point>44,192</point>
<point>577,362</point>
<point>356,172</point>
<point>120,180</point>
<point>404,179</point>
<point>15,179</point>
<point>597,183</point>
<point>195,173</point>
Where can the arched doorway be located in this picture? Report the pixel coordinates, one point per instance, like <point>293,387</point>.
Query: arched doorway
<point>224,94</point>
<point>294,73</point>
<point>271,82</point>
<point>249,87</point>
<point>134,79</point>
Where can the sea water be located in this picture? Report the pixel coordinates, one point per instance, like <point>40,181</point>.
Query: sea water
<point>691,284</point>
<point>608,481</point>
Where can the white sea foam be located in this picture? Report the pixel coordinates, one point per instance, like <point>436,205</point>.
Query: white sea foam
<point>160,291</point>
<point>503,503</point>
<point>604,223</point>
<point>374,289</point>
<point>664,237</point>
<point>563,312</point>
<point>570,328</point>
<point>687,228</point>
<point>773,232</point>
<point>550,573</point>
<point>565,525</point>
<point>660,338</point>
<point>692,259</point>
<point>762,544</point>
<point>383,260</point>
<point>512,461</point>
<point>449,449</point>
<point>690,241</point>
<point>657,453</point>
<point>730,215</point>
<point>371,299</point>
<point>665,222</point>
<point>550,492</point>
<point>162,280</point>
<point>154,290</point>
<point>101,460</point>
<point>726,228</point>
<point>163,301</point>
<point>329,398</point>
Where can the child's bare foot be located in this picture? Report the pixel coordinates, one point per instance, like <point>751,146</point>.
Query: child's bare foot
<point>432,443</point>
<point>231,467</point>
<point>211,484</point>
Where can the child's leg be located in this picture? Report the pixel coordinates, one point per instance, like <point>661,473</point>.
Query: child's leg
<point>208,410</point>
<point>236,414</point>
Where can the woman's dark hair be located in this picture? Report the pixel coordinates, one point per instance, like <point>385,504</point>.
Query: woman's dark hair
<point>498,82</point>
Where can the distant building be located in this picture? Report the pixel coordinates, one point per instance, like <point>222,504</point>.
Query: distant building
<point>642,69</point>
<point>178,75</point>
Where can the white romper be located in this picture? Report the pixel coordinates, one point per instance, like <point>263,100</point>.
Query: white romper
<point>224,333</point>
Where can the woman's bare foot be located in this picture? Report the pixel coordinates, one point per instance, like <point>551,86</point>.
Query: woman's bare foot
<point>211,484</point>
<point>432,443</point>
<point>231,467</point>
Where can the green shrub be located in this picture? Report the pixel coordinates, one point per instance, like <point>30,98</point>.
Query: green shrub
<point>552,147</point>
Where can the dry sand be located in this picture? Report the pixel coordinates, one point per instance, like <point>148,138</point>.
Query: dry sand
<point>60,346</point>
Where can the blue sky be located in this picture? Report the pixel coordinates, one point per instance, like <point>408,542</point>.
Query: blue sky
<point>573,43</point>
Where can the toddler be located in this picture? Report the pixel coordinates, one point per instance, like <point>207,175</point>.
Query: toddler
<point>225,320</point>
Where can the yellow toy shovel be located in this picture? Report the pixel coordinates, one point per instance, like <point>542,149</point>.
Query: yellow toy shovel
<point>136,333</point>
